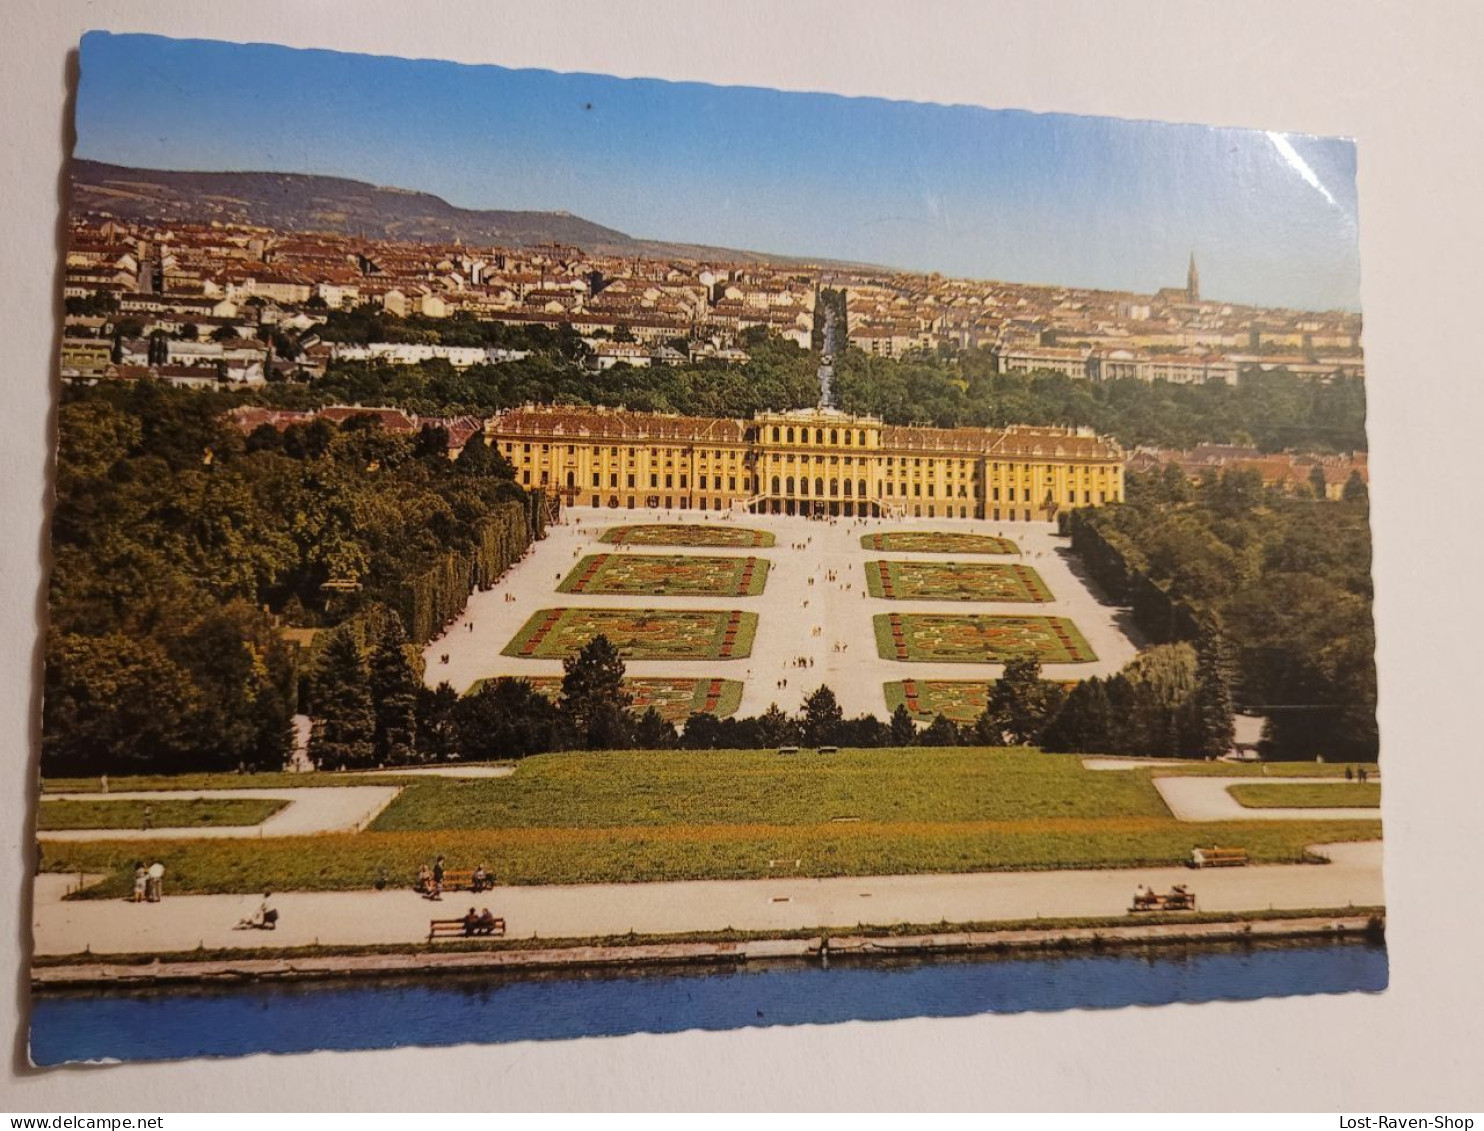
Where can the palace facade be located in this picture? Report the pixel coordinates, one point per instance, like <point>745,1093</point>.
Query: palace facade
<point>806,462</point>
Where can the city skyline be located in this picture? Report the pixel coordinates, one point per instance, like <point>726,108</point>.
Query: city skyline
<point>1005,195</point>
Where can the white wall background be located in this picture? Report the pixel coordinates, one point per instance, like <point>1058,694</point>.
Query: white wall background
<point>1402,78</point>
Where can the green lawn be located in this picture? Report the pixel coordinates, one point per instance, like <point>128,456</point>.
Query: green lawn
<point>1326,795</point>
<point>635,816</point>
<point>118,784</point>
<point>55,815</point>
<point>743,787</point>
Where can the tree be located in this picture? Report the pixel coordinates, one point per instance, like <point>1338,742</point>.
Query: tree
<point>1211,731</point>
<point>1355,489</point>
<point>432,443</point>
<point>822,719</point>
<point>345,717</point>
<point>437,731</point>
<point>775,728</point>
<point>702,731</point>
<point>243,677</point>
<point>1020,704</point>
<point>1317,482</point>
<point>505,718</point>
<point>394,683</point>
<point>652,732</point>
<point>902,729</point>
<point>942,731</point>
<point>226,332</point>
<point>479,458</point>
<point>114,704</point>
<point>594,702</point>
<point>1082,725</point>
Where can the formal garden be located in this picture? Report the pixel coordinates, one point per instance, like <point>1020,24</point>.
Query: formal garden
<point>937,542</point>
<point>955,581</point>
<point>638,634</point>
<point>687,534</point>
<point>676,698</point>
<point>671,575</point>
<point>960,700</point>
<point>969,638</point>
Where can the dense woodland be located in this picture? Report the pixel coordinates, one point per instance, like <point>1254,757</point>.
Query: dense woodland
<point>180,545</point>
<point>1273,410</point>
<point>1284,580</point>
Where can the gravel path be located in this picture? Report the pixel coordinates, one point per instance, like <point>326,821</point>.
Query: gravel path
<point>184,922</point>
<point>786,624</point>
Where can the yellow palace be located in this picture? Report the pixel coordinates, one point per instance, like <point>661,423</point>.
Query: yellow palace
<point>806,462</point>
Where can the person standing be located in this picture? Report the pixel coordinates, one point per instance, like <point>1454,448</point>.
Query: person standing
<point>141,881</point>
<point>437,879</point>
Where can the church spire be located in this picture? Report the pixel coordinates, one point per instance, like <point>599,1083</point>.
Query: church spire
<point>1193,281</point>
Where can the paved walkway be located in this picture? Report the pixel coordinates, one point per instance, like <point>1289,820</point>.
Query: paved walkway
<point>337,809</point>
<point>443,772</point>
<point>568,911</point>
<point>786,624</point>
<point>1197,798</point>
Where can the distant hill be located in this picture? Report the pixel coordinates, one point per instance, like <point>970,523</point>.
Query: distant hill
<point>303,202</point>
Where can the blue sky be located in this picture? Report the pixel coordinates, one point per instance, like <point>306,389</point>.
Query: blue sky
<point>1098,202</point>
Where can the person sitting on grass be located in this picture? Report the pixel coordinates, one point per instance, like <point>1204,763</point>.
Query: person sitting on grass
<point>471,924</point>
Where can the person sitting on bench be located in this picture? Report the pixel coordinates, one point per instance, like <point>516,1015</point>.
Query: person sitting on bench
<point>471,923</point>
<point>480,880</point>
<point>486,922</point>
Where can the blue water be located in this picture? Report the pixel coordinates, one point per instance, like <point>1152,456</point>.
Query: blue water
<point>458,1009</point>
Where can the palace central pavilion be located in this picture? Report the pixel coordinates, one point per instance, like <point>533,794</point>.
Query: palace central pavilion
<point>806,462</point>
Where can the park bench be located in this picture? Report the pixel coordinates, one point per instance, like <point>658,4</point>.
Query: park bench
<point>454,928</point>
<point>1177,899</point>
<point>1218,857</point>
<point>829,750</point>
<point>460,879</point>
<point>788,750</point>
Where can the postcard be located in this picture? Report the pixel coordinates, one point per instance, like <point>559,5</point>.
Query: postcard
<point>541,555</point>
